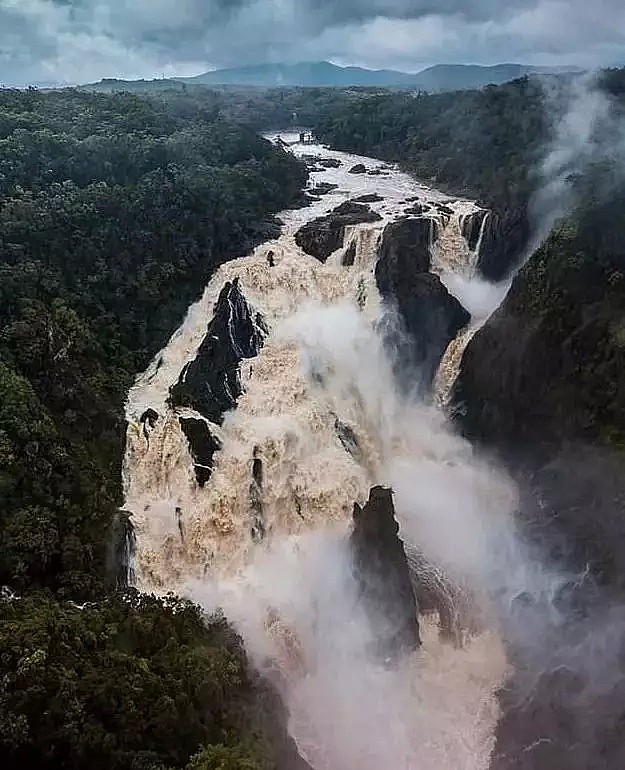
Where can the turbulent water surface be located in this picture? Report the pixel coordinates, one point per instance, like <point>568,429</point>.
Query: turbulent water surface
<point>320,420</point>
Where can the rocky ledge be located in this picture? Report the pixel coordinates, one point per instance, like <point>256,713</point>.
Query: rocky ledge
<point>323,236</point>
<point>431,317</point>
<point>505,237</point>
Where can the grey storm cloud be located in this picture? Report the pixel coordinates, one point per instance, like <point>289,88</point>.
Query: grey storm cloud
<point>81,40</point>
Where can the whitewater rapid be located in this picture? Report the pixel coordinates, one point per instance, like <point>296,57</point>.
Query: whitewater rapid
<point>290,593</point>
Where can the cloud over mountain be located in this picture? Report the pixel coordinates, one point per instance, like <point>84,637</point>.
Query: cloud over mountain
<point>81,40</point>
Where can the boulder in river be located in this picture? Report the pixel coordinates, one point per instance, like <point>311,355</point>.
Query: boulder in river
<point>323,236</point>
<point>359,168</point>
<point>381,571</point>
<point>329,162</point>
<point>211,383</point>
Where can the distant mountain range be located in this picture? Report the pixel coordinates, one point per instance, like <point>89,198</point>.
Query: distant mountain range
<point>441,77</point>
<point>323,74</point>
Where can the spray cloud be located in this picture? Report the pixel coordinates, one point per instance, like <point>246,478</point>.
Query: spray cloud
<point>587,131</point>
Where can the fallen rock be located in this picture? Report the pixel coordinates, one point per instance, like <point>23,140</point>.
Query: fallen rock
<point>383,577</point>
<point>323,236</point>
<point>148,419</point>
<point>359,168</point>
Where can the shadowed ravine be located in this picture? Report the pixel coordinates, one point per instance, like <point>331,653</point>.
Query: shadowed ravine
<point>296,384</point>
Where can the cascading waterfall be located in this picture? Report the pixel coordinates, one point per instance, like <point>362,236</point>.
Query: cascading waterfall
<point>261,531</point>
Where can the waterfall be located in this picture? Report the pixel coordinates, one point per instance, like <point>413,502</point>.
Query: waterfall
<point>261,531</point>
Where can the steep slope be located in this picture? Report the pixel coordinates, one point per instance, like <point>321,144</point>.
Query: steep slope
<point>542,385</point>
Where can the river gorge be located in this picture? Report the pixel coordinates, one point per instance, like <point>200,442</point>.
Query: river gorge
<point>314,369</point>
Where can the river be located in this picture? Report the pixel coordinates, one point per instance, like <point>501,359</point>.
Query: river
<point>264,535</point>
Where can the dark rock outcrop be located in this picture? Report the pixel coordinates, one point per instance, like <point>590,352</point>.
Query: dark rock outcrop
<point>406,245</point>
<point>368,198</point>
<point>257,530</point>
<point>348,439</point>
<point>202,444</point>
<point>430,315</point>
<point>323,236</point>
<point>148,419</point>
<point>444,209</point>
<point>472,226</point>
<point>359,168</point>
<point>547,368</point>
<point>122,550</point>
<point>381,571</point>
<point>350,255</point>
<point>211,383</point>
<point>506,237</point>
<point>323,188</point>
<point>329,162</point>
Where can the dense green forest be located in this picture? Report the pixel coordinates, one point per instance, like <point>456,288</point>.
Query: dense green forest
<point>114,210</point>
<point>487,144</point>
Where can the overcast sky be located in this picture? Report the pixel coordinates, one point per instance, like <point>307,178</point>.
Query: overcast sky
<point>85,40</point>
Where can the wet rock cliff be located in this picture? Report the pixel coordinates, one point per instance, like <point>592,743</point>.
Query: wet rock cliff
<point>503,237</point>
<point>211,383</point>
<point>431,317</point>
<point>381,570</point>
<point>323,236</point>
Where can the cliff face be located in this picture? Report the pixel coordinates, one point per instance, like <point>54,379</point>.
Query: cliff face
<point>381,569</point>
<point>504,240</point>
<point>324,235</point>
<point>549,365</point>
<point>543,385</point>
<point>430,315</point>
